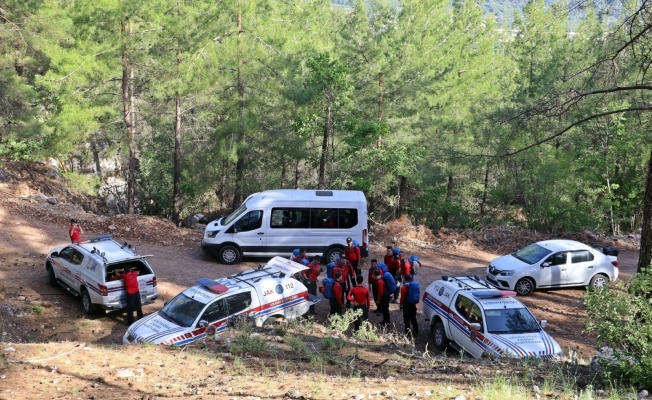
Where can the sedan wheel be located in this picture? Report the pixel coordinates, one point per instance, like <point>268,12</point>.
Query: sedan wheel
<point>524,287</point>
<point>599,282</point>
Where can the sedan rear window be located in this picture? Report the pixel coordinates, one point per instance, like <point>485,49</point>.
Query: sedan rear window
<point>514,320</point>
<point>532,254</point>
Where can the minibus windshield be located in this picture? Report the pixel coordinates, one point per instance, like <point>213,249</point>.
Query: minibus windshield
<point>235,214</point>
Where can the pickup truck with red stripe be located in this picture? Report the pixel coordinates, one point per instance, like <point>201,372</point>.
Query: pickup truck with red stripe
<point>472,317</point>
<point>213,305</point>
<point>86,269</point>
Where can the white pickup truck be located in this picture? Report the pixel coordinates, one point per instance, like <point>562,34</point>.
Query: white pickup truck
<point>85,269</point>
<point>206,309</point>
<point>475,318</point>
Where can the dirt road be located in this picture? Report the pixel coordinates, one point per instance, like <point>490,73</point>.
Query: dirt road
<point>29,229</point>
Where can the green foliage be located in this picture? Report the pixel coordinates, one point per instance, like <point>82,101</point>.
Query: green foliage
<point>621,316</point>
<point>21,150</point>
<point>341,323</point>
<point>38,309</point>
<point>82,183</point>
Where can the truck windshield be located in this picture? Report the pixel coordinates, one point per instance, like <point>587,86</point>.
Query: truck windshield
<point>532,253</point>
<point>182,310</point>
<point>235,214</point>
<point>514,320</point>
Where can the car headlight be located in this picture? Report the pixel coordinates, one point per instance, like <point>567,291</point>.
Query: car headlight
<point>211,234</point>
<point>508,272</point>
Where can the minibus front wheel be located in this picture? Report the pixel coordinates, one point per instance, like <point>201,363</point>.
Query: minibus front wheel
<point>228,255</point>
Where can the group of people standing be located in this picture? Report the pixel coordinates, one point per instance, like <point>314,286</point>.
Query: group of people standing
<point>390,281</point>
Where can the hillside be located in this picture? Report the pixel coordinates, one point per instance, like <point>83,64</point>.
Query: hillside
<point>66,354</point>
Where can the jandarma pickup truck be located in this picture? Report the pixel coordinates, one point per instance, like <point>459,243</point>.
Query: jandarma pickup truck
<point>211,306</point>
<point>86,268</point>
<point>473,317</point>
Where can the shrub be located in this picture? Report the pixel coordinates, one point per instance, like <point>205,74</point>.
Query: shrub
<point>341,323</point>
<point>622,318</point>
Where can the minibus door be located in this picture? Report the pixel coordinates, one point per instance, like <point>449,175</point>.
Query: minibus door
<point>249,233</point>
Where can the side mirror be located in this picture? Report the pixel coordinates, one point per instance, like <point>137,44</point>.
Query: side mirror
<point>54,254</point>
<point>475,326</point>
<point>543,323</point>
<point>545,265</point>
<point>203,323</point>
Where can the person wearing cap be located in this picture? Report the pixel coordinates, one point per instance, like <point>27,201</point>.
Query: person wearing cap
<point>352,253</point>
<point>75,231</point>
<point>359,296</point>
<point>310,276</point>
<point>133,294</point>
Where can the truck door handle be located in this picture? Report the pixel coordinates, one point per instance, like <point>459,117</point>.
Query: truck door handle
<point>563,269</point>
<point>261,233</point>
<point>591,267</point>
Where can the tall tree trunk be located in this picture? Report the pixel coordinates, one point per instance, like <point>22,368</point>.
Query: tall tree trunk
<point>401,194</point>
<point>645,254</point>
<point>128,101</point>
<point>483,205</point>
<point>238,195</point>
<point>176,194</point>
<point>379,143</point>
<point>133,162</point>
<point>449,195</point>
<point>324,145</point>
<point>283,168</point>
<point>297,176</point>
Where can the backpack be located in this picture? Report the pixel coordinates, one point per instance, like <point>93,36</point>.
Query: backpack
<point>396,251</point>
<point>390,282</point>
<point>382,267</point>
<point>416,265</point>
<point>295,255</point>
<point>414,292</point>
<point>329,269</point>
<point>327,283</point>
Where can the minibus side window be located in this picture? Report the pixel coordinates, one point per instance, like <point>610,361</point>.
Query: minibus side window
<point>348,218</point>
<point>324,218</point>
<point>252,220</point>
<point>294,218</point>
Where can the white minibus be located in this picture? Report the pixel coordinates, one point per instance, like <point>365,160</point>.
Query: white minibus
<point>275,222</point>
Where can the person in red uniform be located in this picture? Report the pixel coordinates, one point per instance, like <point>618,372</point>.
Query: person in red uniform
<point>382,297</point>
<point>352,253</point>
<point>359,296</point>
<point>337,301</point>
<point>348,276</point>
<point>133,294</point>
<point>409,309</point>
<point>303,255</point>
<point>371,279</point>
<point>75,231</point>
<point>389,257</point>
<point>406,267</point>
<point>310,276</point>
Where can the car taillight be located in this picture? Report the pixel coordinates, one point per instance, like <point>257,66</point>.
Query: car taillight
<point>615,263</point>
<point>103,290</point>
<point>365,238</point>
<point>154,281</point>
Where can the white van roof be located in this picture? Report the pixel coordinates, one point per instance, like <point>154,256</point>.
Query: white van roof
<point>314,195</point>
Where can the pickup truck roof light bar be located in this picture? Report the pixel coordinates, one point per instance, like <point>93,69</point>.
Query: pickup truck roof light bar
<point>466,285</point>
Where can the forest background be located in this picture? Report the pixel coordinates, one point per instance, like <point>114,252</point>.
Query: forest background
<point>452,114</point>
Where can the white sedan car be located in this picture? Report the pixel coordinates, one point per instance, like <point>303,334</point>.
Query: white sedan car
<point>554,263</point>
